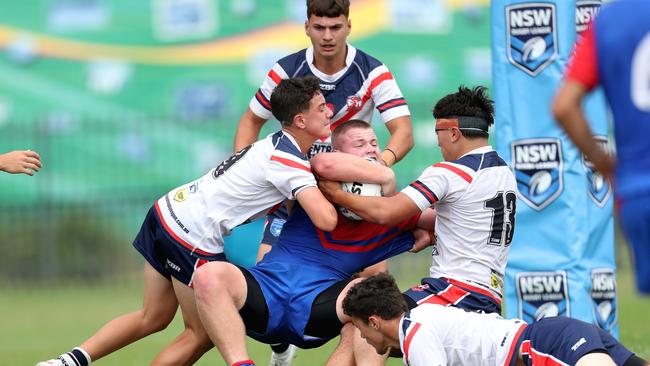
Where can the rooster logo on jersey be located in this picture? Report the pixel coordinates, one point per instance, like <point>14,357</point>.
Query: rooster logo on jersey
<point>354,103</point>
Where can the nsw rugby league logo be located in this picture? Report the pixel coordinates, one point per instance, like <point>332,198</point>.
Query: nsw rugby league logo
<point>531,36</point>
<point>586,11</point>
<point>603,297</point>
<point>542,294</point>
<point>539,170</point>
<point>598,187</point>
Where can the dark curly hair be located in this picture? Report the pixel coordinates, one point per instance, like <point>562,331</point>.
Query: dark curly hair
<point>293,96</point>
<point>375,295</point>
<point>467,102</point>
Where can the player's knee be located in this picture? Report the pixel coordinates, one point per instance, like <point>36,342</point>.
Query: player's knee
<point>210,278</point>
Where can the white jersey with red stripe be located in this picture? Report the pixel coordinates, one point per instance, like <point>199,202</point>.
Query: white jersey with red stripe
<point>352,93</point>
<point>474,198</point>
<point>241,189</point>
<point>436,335</point>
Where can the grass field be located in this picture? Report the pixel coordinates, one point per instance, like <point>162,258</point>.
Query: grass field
<point>41,323</point>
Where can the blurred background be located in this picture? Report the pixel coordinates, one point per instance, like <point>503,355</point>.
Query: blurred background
<point>125,100</point>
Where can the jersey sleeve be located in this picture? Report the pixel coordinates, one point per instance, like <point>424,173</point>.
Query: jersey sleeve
<point>428,189</point>
<point>289,174</point>
<point>260,104</point>
<point>386,95</point>
<point>583,66</point>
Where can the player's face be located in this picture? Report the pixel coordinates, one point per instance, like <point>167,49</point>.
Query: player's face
<point>317,118</point>
<point>360,142</point>
<point>328,35</point>
<point>373,336</point>
<point>445,142</point>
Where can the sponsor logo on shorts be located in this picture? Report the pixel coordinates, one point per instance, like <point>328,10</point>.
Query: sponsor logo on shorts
<point>542,294</point>
<point>578,344</point>
<point>539,169</point>
<point>598,187</point>
<point>531,36</point>
<point>276,226</point>
<point>173,266</point>
<point>603,297</point>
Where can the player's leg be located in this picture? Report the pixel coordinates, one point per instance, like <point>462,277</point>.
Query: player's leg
<point>272,229</point>
<point>220,290</point>
<point>635,219</point>
<point>282,354</point>
<point>158,309</point>
<point>193,342</point>
<point>595,359</point>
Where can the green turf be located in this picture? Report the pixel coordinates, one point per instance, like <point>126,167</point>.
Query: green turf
<point>41,323</point>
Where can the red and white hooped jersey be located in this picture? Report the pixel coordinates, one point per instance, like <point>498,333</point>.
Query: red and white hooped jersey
<point>352,93</point>
<point>474,198</point>
<point>437,335</point>
<point>243,188</point>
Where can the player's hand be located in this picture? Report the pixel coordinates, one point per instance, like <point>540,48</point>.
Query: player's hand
<point>423,239</point>
<point>605,164</point>
<point>26,162</point>
<point>330,189</point>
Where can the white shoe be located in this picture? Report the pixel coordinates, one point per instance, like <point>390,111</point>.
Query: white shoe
<point>283,359</point>
<point>54,362</point>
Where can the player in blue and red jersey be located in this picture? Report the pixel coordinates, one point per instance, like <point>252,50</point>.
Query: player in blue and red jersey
<point>292,294</point>
<point>614,53</point>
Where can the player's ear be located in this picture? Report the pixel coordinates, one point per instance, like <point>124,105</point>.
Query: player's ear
<point>373,321</point>
<point>307,27</point>
<point>299,120</point>
<point>349,26</point>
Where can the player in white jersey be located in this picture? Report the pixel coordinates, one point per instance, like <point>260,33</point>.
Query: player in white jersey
<point>185,228</point>
<point>473,192</point>
<point>436,335</point>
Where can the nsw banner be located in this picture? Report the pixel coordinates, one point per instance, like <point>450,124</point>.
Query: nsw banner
<point>562,255</point>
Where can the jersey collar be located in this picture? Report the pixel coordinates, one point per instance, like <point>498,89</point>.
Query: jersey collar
<point>349,59</point>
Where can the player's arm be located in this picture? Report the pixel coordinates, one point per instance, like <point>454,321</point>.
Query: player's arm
<point>248,129</point>
<point>321,212</point>
<point>567,110</point>
<point>401,139</point>
<point>345,167</point>
<point>381,210</point>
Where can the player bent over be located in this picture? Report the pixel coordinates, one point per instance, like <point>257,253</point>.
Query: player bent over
<point>432,334</point>
<point>185,228</point>
<point>293,295</point>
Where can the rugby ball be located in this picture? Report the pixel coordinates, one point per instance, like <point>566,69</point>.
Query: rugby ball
<point>362,189</point>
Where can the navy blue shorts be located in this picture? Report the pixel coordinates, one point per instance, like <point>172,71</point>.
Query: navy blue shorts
<point>449,292</point>
<point>553,339</point>
<point>167,256</point>
<point>273,225</point>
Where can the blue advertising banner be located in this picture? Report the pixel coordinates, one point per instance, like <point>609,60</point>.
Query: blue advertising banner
<point>562,255</point>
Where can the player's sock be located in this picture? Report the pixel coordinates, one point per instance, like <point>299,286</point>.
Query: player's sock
<point>76,357</point>
<point>244,363</point>
<point>280,347</point>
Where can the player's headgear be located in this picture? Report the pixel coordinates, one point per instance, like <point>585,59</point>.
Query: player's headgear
<point>469,110</point>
